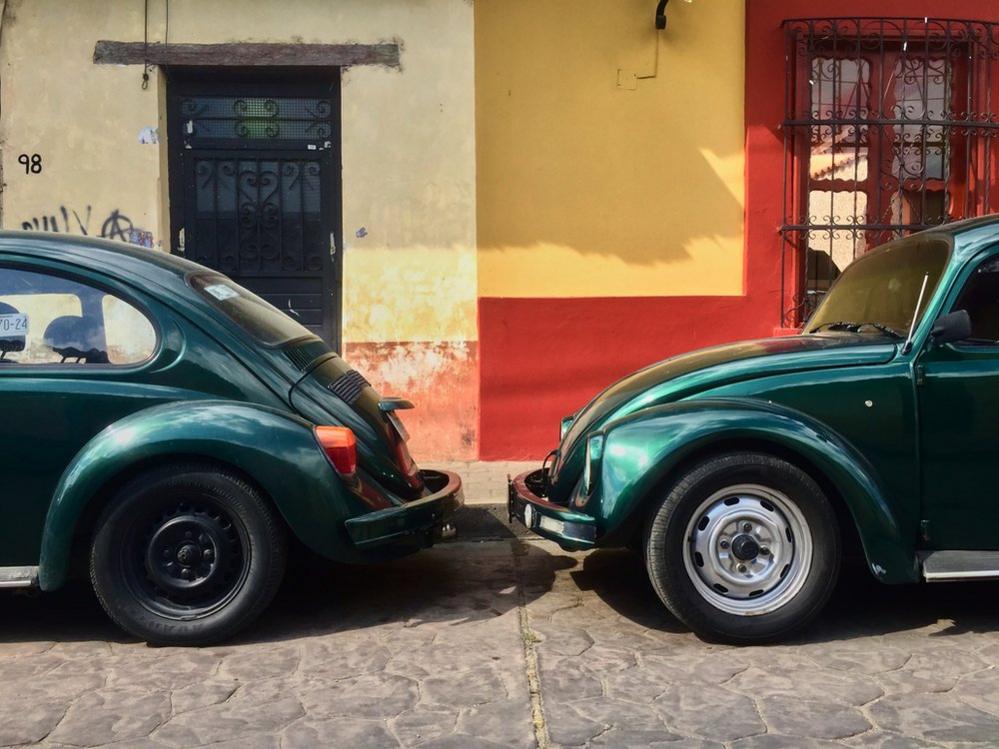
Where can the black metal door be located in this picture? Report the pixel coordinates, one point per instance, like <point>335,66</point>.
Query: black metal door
<point>255,189</point>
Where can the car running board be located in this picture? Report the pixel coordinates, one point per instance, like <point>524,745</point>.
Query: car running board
<point>18,577</point>
<point>943,566</point>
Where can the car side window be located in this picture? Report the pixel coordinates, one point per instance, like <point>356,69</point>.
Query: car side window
<point>47,319</point>
<point>980,298</point>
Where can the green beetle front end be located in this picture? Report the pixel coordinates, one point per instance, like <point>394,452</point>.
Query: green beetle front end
<point>743,471</point>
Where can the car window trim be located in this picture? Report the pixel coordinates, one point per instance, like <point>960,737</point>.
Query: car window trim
<point>954,294</point>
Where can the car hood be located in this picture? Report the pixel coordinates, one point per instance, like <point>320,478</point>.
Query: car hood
<point>688,374</point>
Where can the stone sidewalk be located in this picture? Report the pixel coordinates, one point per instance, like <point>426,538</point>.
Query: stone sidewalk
<point>506,643</point>
<point>485,481</point>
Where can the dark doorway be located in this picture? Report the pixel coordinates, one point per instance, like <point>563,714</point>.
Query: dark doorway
<point>254,163</point>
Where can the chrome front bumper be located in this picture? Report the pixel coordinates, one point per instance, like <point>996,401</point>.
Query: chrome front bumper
<point>570,529</point>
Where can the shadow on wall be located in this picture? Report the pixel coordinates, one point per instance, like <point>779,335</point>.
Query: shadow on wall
<point>570,159</point>
<point>620,218</point>
<point>610,183</point>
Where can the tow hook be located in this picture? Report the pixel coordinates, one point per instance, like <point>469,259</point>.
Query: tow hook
<point>447,532</point>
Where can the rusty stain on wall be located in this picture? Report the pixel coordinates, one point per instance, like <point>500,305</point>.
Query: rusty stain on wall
<point>408,203</point>
<point>441,378</point>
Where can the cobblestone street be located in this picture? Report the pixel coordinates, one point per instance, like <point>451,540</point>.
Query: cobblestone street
<point>442,649</point>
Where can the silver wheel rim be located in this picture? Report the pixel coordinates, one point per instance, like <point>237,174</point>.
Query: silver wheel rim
<point>748,549</point>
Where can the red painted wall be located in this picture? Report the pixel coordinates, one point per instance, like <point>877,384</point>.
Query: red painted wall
<point>541,359</point>
<point>544,358</point>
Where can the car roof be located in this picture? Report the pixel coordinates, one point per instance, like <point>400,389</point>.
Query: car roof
<point>966,237</point>
<point>155,272</point>
<point>970,235</point>
<point>112,257</point>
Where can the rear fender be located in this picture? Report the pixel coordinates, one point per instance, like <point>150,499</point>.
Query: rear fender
<point>641,451</point>
<point>275,449</point>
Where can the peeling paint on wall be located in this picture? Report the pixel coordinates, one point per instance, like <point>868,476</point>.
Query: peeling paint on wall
<point>416,293</point>
<point>408,202</point>
<point>441,378</point>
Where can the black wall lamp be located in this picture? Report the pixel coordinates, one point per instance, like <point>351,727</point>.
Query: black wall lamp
<point>661,14</point>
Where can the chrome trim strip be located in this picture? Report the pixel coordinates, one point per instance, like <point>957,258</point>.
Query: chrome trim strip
<point>943,576</point>
<point>18,577</point>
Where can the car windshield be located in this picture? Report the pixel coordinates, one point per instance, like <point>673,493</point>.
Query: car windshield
<point>879,291</point>
<point>262,320</point>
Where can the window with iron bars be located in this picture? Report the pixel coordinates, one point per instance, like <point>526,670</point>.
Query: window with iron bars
<point>888,130</point>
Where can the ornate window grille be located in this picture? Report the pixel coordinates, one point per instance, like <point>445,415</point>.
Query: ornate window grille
<point>888,130</point>
<point>227,121</point>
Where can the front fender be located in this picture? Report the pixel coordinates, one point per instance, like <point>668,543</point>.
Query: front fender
<point>640,452</point>
<point>274,448</point>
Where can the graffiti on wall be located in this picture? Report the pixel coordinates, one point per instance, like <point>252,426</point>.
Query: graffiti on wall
<point>116,225</point>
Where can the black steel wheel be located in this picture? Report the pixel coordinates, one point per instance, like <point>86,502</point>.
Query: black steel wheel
<point>187,554</point>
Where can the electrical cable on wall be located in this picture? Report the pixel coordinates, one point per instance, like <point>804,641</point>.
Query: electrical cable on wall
<point>3,17</point>
<point>145,45</point>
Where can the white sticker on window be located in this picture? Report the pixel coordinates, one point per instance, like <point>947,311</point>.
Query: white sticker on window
<point>221,292</point>
<point>13,325</point>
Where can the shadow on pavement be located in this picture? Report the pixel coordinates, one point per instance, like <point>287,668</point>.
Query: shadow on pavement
<point>618,577</point>
<point>469,581</point>
<point>487,523</point>
<point>71,614</point>
<point>450,583</point>
<point>860,605</point>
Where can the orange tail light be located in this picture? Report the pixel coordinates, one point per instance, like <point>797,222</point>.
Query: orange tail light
<point>340,446</point>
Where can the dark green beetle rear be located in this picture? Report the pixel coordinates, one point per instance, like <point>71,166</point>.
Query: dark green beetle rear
<point>162,422</point>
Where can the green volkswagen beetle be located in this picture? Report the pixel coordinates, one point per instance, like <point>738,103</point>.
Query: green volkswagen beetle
<point>743,470</point>
<point>173,434</point>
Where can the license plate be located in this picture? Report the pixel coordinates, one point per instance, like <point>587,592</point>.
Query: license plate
<point>397,423</point>
<point>14,324</point>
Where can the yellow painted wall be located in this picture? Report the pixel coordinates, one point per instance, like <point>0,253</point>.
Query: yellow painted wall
<point>408,154</point>
<point>594,181</point>
<point>408,137</point>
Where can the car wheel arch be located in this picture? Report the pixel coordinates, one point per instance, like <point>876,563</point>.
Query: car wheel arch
<point>276,449</point>
<point>849,532</point>
<point>677,435</point>
<point>86,523</point>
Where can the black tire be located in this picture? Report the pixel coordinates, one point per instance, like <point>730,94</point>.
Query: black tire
<point>187,555</point>
<point>686,586</point>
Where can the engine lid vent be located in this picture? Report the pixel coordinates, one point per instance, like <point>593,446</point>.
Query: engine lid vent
<point>348,388</point>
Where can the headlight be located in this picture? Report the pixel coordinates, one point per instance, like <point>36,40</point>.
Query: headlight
<point>594,451</point>
<point>565,426</point>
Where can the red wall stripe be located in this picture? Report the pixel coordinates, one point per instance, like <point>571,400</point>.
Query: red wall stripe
<point>544,358</point>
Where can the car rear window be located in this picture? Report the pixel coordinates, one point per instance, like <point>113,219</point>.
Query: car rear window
<point>262,320</point>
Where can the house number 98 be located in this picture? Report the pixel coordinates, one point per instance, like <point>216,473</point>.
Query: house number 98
<point>32,164</point>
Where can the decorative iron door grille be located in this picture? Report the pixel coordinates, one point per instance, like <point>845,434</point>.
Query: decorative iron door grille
<point>240,120</point>
<point>255,191</point>
<point>888,130</point>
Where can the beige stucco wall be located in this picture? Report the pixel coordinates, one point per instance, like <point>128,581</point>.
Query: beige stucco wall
<point>408,164</point>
